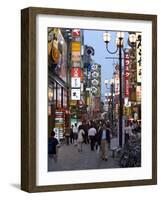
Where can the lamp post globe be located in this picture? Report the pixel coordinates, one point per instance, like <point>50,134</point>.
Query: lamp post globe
<point>132,39</point>
<point>106,37</point>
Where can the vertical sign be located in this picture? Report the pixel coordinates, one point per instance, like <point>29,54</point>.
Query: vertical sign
<point>138,93</point>
<point>76,46</point>
<point>97,104</point>
<point>75,94</point>
<point>75,74</point>
<point>76,33</point>
<point>76,56</point>
<point>95,79</point>
<point>139,58</point>
<point>126,74</point>
<point>117,83</point>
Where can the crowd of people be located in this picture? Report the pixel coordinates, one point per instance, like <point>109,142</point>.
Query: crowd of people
<point>132,128</point>
<point>97,134</point>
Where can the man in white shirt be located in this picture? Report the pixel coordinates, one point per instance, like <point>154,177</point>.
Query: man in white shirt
<point>91,134</point>
<point>75,134</point>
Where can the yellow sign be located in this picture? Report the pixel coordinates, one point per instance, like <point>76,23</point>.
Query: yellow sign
<point>76,46</point>
<point>73,102</point>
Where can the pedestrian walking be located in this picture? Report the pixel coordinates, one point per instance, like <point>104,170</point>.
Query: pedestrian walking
<point>75,134</point>
<point>134,126</point>
<point>128,132</point>
<point>104,141</point>
<point>71,135</point>
<point>52,147</point>
<point>91,134</point>
<point>81,134</point>
<point>67,135</point>
<point>86,139</point>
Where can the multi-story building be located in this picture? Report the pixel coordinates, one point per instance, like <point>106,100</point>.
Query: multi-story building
<point>73,80</point>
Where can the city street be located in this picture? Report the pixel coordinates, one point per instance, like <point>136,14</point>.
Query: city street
<point>70,159</point>
<point>94,91</point>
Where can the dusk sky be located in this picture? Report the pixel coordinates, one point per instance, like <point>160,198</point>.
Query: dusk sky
<point>95,39</point>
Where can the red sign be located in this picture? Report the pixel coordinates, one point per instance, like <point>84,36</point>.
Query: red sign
<point>76,33</point>
<point>127,73</point>
<point>76,72</point>
<point>97,103</point>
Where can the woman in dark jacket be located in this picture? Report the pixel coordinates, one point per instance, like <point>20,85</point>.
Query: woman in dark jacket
<point>52,146</point>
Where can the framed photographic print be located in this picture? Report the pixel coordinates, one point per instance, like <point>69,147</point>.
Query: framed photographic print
<point>88,99</point>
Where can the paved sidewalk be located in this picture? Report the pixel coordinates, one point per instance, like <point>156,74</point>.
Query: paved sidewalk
<point>70,159</point>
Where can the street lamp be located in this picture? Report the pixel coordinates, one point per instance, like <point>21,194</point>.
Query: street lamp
<point>119,47</point>
<point>132,39</point>
<point>106,83</point>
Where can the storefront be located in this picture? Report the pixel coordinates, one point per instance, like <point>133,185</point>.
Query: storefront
<point>57,83</point>
<point>56,106</point>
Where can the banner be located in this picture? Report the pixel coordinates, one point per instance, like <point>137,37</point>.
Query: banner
<point>59,117</point>
<point>95,79</point>
<point>138,93</point>
<point>76,46</point>
<point>139,56</point>
<point>126,73</point>
<point>76,57</point>
<point>117,84</point>
<point>72,102</point>
<point>97,103</point>
<point>76,33</point>
<point>75,72</point>
<point>75,94</point>
<point>75,82</point>
<point>76,64</point>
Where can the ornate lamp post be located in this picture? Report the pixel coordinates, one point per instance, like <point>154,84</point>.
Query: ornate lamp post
<point>119,49</point>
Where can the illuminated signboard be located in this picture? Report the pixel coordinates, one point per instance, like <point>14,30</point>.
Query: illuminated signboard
<point>75,72</point>
<point>126,64</point>
<point>138,93</point>
<point>76,33</point>
<point>76,46</point>
<point>75,82</point>
<point>117,84</point>
<point>75,94</point>
<point>76,57</point>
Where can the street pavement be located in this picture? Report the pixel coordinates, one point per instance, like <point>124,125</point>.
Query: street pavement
<point>70,159</point>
